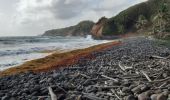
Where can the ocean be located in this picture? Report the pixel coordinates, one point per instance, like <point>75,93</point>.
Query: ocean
<point>15,51</point>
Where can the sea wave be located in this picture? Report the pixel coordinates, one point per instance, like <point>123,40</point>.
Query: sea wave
<point>17,50</point>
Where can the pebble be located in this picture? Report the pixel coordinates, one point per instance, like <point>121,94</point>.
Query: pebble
<point>154,96</point>
<point>137,90</point>
<point>67,84</point>
<point>143,96</point>
<point>162,97</point>
<point>130,97</point>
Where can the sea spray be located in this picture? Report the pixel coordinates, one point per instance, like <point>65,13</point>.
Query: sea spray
<point>89,38</point>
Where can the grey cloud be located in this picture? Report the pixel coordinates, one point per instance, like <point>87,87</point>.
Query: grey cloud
<point>66,10</point>
<point>32,17</point>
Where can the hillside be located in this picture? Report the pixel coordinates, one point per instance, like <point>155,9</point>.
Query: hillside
<point>150,17</point>
<point>144,17</point>
<point>81,29</point>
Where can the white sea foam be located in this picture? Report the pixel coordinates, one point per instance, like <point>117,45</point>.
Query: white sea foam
<point>15,51</point>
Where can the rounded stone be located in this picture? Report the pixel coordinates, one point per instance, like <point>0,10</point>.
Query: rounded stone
<point>162,97</point>
<point>130,97</point>
<point>154,96</point>
<point>143,96</point>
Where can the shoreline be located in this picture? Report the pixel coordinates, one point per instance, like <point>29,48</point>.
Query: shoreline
<point>56,59</point>
<point>137,66</point>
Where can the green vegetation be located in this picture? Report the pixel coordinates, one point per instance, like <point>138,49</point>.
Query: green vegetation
<point>161,20</point>
<point>165,43</point>
<point>150,17</point>
<point>81,29</point>
<point>153,15</point>
<point>141,23</point>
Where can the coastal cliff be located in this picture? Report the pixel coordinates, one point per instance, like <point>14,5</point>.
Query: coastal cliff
<point>152,16</point>
<point>97,28</point>
<point>81,29</point>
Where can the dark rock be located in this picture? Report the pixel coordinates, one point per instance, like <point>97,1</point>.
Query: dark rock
<point>2,94</point>
<point>126,90</point>
<point>5,98</point>
<point>26,85</point>
<point>166,54</point>
<point>67,85</point>
<point>126,84</point>
<point>61,97</point>
<point>145,88</point>
<point>149,93</point>
<point>130,97</point>
<point>12,98</point>
<point>35,93</point>
<point>44,91</point>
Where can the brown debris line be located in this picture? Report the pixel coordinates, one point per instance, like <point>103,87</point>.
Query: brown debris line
<point>58,60</point>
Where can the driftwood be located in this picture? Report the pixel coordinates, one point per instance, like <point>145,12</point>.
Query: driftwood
<point>124,68</point>
<point>162,85</point>
<point>83,75</point>
<point>162,80</point>
<point>147,77</point>
<point>121,67</point>
<point>62,89</point>
<point>116,94</point>
<point>159,57</point>
<point>107,87</point>
<point>115,80</point>
<point>52,94</point>
<point>92,97</point>
<point>124,72</point>
<point>107,94</point>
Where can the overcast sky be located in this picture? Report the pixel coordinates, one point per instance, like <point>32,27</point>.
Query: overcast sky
<point>33,17</point>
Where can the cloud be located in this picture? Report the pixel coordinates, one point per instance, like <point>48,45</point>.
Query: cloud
<point>33,10</point>
<point>32,17</point>
<point>66,9</point>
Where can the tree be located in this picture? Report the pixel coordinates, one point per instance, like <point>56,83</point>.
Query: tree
<point>161,21</point>
<point>141,23</point>
<point>121,28</point>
